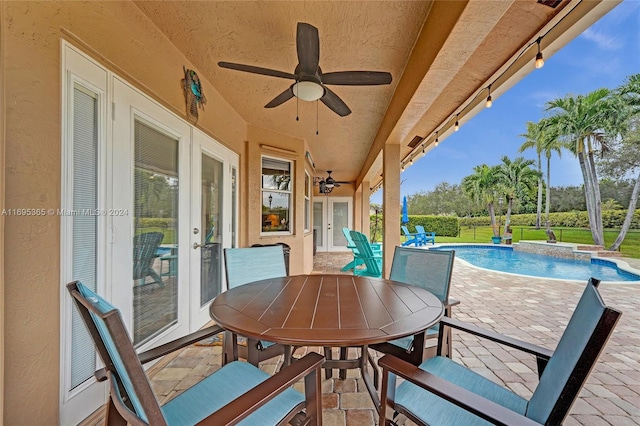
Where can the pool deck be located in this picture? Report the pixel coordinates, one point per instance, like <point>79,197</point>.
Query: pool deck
<point>532,309</point>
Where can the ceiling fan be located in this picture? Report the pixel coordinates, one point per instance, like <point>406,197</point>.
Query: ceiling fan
<point>327,184</point>
<point>310,81</point>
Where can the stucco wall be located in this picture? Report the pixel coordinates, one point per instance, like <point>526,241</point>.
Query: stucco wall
<point>261,141</point>
<point>121,37</point>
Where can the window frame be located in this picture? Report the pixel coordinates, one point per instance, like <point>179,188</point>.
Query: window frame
<point>307,202</point>
<point>289,192</point>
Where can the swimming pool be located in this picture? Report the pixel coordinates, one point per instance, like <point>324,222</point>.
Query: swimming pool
<point>505,259</point>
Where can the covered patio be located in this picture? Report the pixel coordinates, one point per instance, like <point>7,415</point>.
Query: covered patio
<point>532,309</point>
<point>97,117</point>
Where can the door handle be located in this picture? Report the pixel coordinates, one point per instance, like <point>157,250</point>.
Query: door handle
<point>196,246</point>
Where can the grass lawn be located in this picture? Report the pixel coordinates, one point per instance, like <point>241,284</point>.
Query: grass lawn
<point>630,247</point>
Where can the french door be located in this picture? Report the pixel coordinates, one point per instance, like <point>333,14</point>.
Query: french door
<point>213,213</point>
<point>330,215</point>
<point>154,202</point>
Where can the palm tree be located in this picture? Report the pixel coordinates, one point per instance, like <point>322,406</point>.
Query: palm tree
<point>482,187</point>
<point>513,177</point>
<point>583,123</point>
<point>550,144</point>
<point>533,139</point>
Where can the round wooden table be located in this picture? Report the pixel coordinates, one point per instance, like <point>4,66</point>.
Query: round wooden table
<point>328,311</point>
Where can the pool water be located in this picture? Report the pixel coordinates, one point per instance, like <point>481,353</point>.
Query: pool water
<point>506,259</point>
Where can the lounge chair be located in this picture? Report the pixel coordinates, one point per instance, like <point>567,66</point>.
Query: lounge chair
<point>144,255</point>
<point>425,237</point>
<point>431,270</point>
<point>238,393</point>
<point>377,250</point>
<point>372,261</point>
<point>242,266</point>
<point>411,238</point>
<point>443,392</point>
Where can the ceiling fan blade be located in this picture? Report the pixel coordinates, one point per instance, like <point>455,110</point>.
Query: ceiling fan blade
<point>256,70</point>
<point>356,78</point>
<point>308,47</point>
<point>334,103</point>
<point>280,99</point>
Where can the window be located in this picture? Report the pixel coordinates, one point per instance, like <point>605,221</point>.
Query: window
<point>277,188</point>
<point>307,202</point>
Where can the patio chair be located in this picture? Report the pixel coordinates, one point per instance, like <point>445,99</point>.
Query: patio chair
<point>443,392</point>
<point>144,255</point>
<point>242,266</point>
<point>238,392</point>
<point>372,261</point>
<point>411,238</point>
<point>425,237</point>
<point>431,270</point>
<point>377,250</point>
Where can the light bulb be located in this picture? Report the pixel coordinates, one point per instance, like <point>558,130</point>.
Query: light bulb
<point>424,152</point>
<point>456,126</point>
<point>489,99</point>
<point>437,142</point>
<point>402,169</point>
<point>539,60</point>
<point>411,162</point>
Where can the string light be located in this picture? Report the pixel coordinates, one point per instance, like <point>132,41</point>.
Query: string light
<point>456,126</point>
<point>402,169</point>
<point>539,60</point>
<point>489,100</point>
<point>437,140</point>
<point>424,151</point>
<point>411,161</point>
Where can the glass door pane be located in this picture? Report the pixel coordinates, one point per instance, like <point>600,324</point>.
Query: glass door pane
<point>211,226</point>
<point>318,224</point>
<point>339,220</point>
<point>155,241</point>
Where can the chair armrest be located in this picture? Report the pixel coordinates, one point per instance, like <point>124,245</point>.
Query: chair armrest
<point>481,407</point>
<point>536,350</point>
<point>167,348</point>
<point>452,302</point>
<point>250,401</point>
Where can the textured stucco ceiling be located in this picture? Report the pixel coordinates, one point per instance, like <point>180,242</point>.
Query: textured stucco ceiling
<point>393,36</point>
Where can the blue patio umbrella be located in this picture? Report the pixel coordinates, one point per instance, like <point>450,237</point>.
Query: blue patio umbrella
<point>405,211</point>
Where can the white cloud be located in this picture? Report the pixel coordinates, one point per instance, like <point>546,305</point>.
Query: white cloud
<point>602,40</point>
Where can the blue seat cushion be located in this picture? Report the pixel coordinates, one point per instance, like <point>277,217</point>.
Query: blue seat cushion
<point>222,387</point>
<point>436,411</point>
<point>406,342</point>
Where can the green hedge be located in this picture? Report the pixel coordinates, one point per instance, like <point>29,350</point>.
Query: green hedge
<point>156,222</point>
<point>575,219</point>
<point>445,226</point>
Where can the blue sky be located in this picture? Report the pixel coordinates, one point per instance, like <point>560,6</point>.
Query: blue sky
<point>602,56</point>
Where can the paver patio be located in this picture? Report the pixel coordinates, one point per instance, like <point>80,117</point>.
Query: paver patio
<point>535,310</point>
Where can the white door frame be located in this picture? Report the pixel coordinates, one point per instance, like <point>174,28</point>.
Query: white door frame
<point>327,228</point>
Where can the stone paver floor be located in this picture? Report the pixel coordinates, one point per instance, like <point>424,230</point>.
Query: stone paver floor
<point>532,309</point>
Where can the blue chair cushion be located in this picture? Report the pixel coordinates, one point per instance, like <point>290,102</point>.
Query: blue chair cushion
<point>222,387</point>
<point>406,342</point>
<point>434,410</point>
<point>104,307</point>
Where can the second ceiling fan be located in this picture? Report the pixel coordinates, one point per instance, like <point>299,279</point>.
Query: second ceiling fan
<point>310,81</point>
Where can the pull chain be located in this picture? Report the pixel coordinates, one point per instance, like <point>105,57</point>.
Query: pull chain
<point>297,107</point>
<point>317,117</point>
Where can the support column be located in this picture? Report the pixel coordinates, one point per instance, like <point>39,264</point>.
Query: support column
<point>390,204</point>
<point>365,218</point>
<point>357,209</point>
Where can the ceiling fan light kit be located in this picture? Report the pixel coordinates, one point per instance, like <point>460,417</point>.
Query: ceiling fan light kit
<point>310,82</point>
<point>308,90</point>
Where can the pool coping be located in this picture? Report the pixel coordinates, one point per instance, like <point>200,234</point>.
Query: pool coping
<point>617,262</point>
